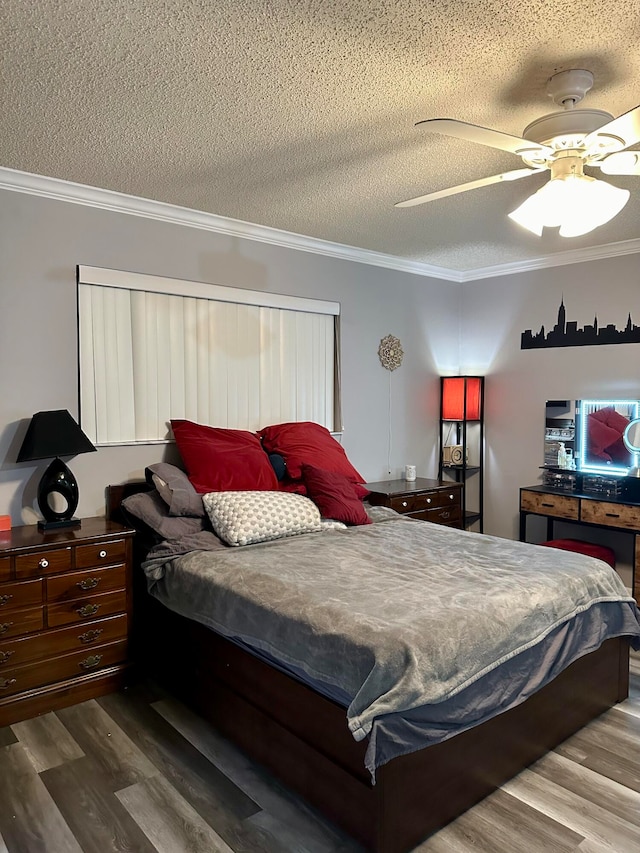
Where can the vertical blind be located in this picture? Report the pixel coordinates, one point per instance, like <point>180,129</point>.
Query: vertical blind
<point>146,356</point>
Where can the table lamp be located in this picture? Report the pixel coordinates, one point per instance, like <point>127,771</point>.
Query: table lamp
<point>55,434</point>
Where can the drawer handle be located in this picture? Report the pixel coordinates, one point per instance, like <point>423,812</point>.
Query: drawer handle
<point>4,656</point>
<point>88,609</point>
<point>43,563</point>
<point>90,636</point>
<point>102,554</point>
<point>4,627</point>
<point>445,514</point>
<point>451,497</point>
<point>428,500</point>
<point>88,583</point>
<point>612,515</point>
<point>5,598</point>
<point>404,503</point>
<point>90,662</point>
<point>6,682</point>
<point>549,505</point>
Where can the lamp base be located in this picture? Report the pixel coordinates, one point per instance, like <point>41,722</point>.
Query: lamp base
<point>58,525</point>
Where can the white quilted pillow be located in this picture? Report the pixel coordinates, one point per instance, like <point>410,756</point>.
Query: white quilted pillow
<point>242,518</point>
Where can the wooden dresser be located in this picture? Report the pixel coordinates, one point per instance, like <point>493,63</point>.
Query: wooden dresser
<point>65,615</point>
<point>428,500</point>
<point>584,509</point>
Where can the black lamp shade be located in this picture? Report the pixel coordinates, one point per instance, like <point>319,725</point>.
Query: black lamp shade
<point>55,434</point>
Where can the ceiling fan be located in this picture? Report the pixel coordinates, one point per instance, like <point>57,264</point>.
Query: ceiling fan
<point>564,143</point>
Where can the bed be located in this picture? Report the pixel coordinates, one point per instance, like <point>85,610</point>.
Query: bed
<point>298,728</point>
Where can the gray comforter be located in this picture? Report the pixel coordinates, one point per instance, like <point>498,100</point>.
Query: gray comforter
<point>397,614</point>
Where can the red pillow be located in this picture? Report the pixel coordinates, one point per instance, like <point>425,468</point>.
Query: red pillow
<point>220,460</point>
<point>307,443</point>
<point>296,487</point>
<point>612,418</point>
<point>599,437</point>
<point>334,495</point>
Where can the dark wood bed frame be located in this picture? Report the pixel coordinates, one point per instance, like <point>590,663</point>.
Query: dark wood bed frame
<point>303,738</point>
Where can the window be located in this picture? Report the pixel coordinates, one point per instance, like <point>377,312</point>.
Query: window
<point>153,348</point>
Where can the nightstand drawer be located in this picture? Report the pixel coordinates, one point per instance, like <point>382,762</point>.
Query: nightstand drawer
<point>43,563</point>
<point>84,609</point>
<point>561,506</point>
<point>445,515</point>
<point>18,622</point>
<point>101,553</point>
<point>402,503</point>
<point>611,514</point>
<point>14,595</point>
<point>49,643</point>
<point>80,584</point>
<point>429,501</point>
<point>66,666</point>
<point>5,568</point>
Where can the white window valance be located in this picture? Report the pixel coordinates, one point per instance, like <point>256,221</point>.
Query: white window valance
<point>153,348</point>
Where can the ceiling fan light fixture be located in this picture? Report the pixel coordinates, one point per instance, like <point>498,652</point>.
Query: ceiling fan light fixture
<point>575,203</point>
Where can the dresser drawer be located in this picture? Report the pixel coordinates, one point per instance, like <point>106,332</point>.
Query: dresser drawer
<point>611,514</point>
<point>17,622</point>
<point>49,643</point>
<point>66,666</point>
<point>43,563</point>
<point>450,515</point>
<point>5,568</point>
<point>101,553</point>
<point>561,506</point>
<point>14,595</point>
<point>80,584</point>
<point>86,609</point>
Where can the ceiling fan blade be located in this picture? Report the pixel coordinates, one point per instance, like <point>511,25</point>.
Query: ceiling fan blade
<point>625,128</point>
<point>486,136</point>
<point>472,185</point>
<point>621,163</point>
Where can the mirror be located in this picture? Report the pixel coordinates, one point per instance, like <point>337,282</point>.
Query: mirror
<point>559,434</point>
<point>631,440</point>
<point>603,425</point>
<point>631,436</point>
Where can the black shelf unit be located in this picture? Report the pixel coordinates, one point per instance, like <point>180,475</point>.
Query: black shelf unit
<point>467,435</point>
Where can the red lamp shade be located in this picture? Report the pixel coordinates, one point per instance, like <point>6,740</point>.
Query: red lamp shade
<point>454,391</point>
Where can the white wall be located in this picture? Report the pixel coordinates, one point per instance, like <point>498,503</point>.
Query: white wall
<point>42,240</point>
<point>494,314</point>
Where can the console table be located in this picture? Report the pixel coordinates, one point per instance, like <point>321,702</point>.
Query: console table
<point>585,509</point>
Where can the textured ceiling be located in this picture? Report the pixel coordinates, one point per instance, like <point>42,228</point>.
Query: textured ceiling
<point>300,115</point>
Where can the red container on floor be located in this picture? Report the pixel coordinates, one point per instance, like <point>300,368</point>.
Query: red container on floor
<point>588,548</point>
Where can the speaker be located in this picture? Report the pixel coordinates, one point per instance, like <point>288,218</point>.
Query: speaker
<point>452,454</point>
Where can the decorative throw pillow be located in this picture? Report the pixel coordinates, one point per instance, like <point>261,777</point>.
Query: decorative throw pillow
<point>152,511</point>
<point>175,489</point>
<point>242,518</point>
<point>599,437</point>
<point>220,460</point>
<point>279,465</point>
<point>307,443</point>
<point>334,495</point>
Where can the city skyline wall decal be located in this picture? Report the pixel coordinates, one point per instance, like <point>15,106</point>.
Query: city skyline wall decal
<point>566,333</point>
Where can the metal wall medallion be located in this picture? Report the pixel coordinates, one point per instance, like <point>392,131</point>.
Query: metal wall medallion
<point>390,352</point>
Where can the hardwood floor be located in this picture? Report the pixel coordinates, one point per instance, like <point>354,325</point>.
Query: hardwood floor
<point>135,771</point>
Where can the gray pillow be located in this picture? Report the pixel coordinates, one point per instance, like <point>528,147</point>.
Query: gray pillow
<point>149,508</point>
<point>176,490</point>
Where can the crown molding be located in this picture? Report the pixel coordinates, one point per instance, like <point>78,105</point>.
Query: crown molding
<point>60,190</point>
<point>571,256</point>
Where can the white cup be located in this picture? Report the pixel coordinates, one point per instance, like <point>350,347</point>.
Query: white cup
<point>410,472</point>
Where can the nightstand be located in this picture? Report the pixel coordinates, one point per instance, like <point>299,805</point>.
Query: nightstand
<point>65,616</point>
<point>428,500</point>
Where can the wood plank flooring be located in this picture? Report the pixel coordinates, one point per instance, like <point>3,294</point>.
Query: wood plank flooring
<point>136,772</point>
